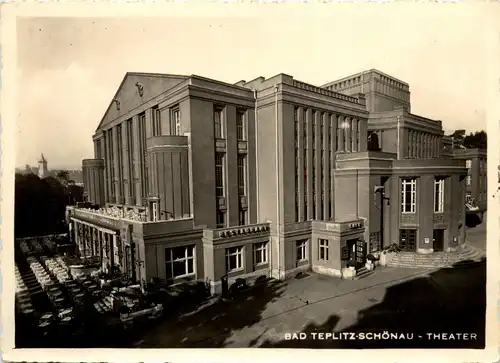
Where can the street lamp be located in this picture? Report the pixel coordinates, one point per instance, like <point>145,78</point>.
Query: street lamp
<point>381,191</point>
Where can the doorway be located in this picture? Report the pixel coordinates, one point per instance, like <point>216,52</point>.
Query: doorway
<point>408,239</point>
<point>438,240</point>
<point>351,249</point>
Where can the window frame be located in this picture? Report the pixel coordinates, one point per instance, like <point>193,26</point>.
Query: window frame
<point>260,248</point>
<point>439,189</point>
<point>220,190</point>
<point>219,129</point>
<point>412,184</point>
<point>302,246</point>
<point>218,214</point>
<point>323,246</point>
<point>238,252</point>
<point>176,121</point>
<point>169,261</point>
<point>241,132</point>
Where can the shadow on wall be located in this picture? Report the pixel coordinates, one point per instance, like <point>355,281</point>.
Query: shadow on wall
<point>447,301</point>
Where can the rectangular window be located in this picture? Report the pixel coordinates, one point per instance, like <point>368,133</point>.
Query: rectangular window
<point>218,124</point>
<point>301,247</point>
<point>242,216</point>
<point>439,196</point>
<point>234,259</point>
<point>240,126</point>
<point>260,253</point>
<point>179,262</point>
<point>154,211</point>
<point>176,122</point>
<point>323,249</point>
<point>241,175</point>
<point>408,195</point>
<point>219,175</point>
<point>220,219</point>
<point>156,121</point>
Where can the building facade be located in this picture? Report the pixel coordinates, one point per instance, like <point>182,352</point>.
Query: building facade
<point>200,179</point>
<point>477,175</point>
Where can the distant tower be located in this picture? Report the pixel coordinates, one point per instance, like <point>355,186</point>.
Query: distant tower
<point>42,167</point>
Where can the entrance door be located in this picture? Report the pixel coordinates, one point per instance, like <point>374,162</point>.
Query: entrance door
<point>351,247</point>
<point>408,239</point>
<point>438,240</point>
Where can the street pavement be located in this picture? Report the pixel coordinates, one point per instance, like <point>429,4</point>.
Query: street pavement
<point>391,298</point>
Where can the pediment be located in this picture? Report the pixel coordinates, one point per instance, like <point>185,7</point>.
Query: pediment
<point>136,89</point>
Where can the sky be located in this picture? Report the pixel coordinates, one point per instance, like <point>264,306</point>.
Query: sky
<point>70,68</point>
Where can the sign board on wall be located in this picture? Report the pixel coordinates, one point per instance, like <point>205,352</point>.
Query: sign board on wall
<point>345,253</point>
<point>427,240</point>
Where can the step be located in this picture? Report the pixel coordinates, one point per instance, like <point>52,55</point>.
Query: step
<point>362,273</point>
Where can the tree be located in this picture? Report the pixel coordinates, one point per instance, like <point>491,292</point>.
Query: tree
<point>40,204</point>
<point>476,140</point>
<point>63,177</point>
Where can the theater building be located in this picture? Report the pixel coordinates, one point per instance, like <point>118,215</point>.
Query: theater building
<point>200,179</point>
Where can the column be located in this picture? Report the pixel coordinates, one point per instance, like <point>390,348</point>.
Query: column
<point>348,134</point>
<point>309,186</point>
<point>317,187</point>
<point>354,134</point>
<point>137,160</point>
<point>326,165</point>
<point>112,248</point>
<point>109,166</point>
<point>127,178</point>
<point>334,125</point>
<point>409,146</point>
<point>116,165</point>
<point>340,133</point>
<point>301,174</point>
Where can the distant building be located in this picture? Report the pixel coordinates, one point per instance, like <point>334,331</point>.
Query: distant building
<point>477,175</point>
<point>200,179</point>
<point>477,171</point>
<point>43,170</point>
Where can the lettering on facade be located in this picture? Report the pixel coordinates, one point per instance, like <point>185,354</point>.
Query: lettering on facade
<point>355,225</point>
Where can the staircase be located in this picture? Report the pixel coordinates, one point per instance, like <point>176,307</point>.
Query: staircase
<point>464,256</point>
<point>362,273</point>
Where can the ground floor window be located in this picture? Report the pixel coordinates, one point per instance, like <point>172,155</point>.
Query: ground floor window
<point>301,250</point>
<point>179,261</point>
<point>323,249</point>
<point>234,258</point>
<point>260,253</point>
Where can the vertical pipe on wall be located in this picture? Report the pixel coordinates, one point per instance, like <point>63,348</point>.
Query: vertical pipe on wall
<point>256,130</point>
<point>276,88</point>
<point>398,142</point>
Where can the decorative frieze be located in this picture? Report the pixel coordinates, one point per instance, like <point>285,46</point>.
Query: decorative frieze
<point>438,218</point>
<point>408,218</point>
